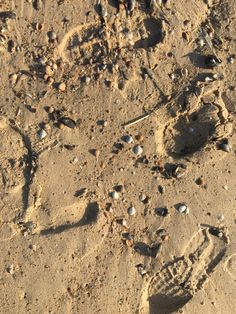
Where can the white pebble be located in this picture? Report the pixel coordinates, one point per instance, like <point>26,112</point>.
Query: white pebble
<point>115,195</point>
<point>42,134</point>
<point>131,210</point>
<point>52,35</point>
<point>142,197</point>
<point>124,223</point>
<point>221,217</point>
<point>183,209</point>
<point>137,150</point>
<point>87,80</point>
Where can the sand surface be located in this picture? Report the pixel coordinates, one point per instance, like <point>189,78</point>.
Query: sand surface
<point>107,112</point>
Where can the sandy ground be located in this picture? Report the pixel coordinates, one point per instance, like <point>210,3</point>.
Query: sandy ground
<point>117,156</point>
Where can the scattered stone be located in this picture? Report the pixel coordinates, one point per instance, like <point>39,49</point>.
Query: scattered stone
<point>115,195</point>
<point>139,137</point>
<point>48,70</point>
<point>87,80</point>
<point>95,152</point>
<point>231,59</point>
<point>74,160</point>
<point>173,170</point>
<point>122,222</point>
<point>162,211</point>
<point>131,211</point>
<point>142,197</point>
<point>119,188</point>
<point>5,15</point>
<point>52,35</point>
<point>42,134</point>
<point>10,269</point>
<point>67,122</point>
<point>161,189</point>
<point>69,146</point>
<point>141,270</point>
<point>137,150</point>
<point>162,233</point>
<point>62,87</point>
<point>81,192</point>
<point>199,181</point>
<point>221,217</point>
<point>183,209</point>
<point>127,138</point>
<point>225,146</point>
<point>216,232</point>
<point>211,61</point>
<point>33,247</point>
<point>117,147</point>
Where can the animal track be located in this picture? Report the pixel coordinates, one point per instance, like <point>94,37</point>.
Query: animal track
<point>178,280</point>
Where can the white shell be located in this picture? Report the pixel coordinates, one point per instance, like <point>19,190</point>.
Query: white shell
<point>42,134</point>
<point>131,210</point>
<point>137,150</point>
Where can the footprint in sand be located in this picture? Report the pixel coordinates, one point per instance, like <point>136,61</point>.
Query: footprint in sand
<point>178,280</point>
<point>195,130</point>
<point>13,165</point>
<point>55,208</point>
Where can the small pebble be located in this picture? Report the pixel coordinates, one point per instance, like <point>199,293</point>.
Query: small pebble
<point>42,134</point>
<point>199,181</point>
<point>221,217</point>
<point>161,189</point>
<point>96,153</point>
<point>211,61</point>
<point>163,211</point>
<point>87,80</point>
<point>128,139</point>
<point>115,195</point>
<point>139,137</point>
<point>137,150</point>
<point>119,188</point>
<point>231,59</point>
<point>142,197</point>
<point>122,222</point>
<point>10,269</point>
<point>52,35</point>
<point>226,147</point>
<point>51,109</point>
<point>33,247</point>
<point>131,210</point>
<point>62,87</point>
<point>183,209</point>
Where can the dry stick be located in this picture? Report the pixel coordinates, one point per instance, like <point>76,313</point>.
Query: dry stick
<point>148,114</point>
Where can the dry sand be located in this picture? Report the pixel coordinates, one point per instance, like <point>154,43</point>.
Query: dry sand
<point>72,77</point>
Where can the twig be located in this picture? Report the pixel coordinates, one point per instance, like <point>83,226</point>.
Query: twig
<point>153,111</point>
